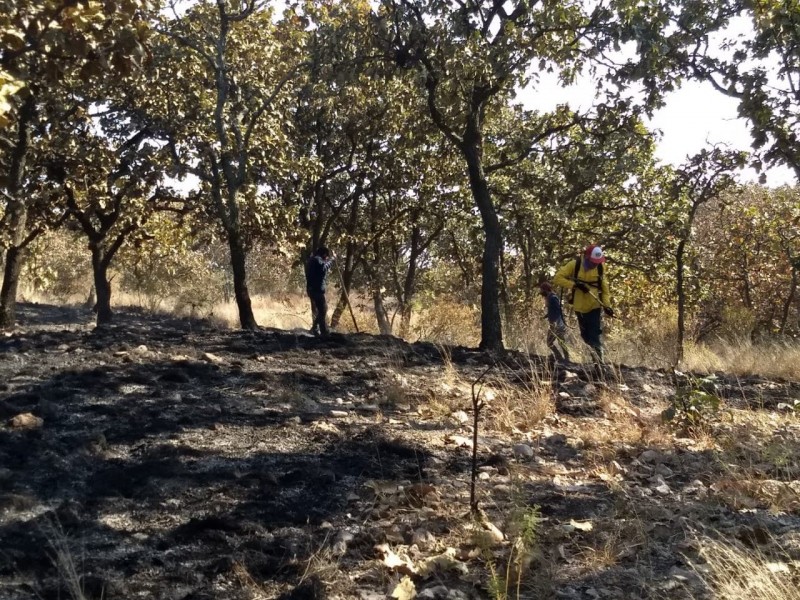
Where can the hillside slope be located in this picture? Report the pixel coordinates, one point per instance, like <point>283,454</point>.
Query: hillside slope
<point>168,459</point>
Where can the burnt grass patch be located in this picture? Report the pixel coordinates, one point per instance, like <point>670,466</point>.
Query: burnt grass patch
<point>175,460</point>
<point>162,464</point>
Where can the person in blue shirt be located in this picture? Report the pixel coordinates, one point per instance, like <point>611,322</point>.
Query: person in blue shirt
<point>317,269</point>
<point>557,328</point>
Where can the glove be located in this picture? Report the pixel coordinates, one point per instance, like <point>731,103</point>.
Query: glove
<point>609,311</point>
<point>582,287</point>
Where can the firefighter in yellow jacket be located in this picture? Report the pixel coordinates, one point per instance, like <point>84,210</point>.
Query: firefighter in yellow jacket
<point>591,297</point>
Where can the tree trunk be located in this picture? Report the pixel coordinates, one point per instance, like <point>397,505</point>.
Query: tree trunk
<point>405,319</point>
<point>381,315</point>
<point>410,282</point>
<point>527,276</point>
<point>91,299</point>
<point>508,308</point>
<point>681,300</point>
<point>345,280</point>
<point>409,286</point>
<point>788,304</point>
<point>8,293</point>
<point>17,214</point>
<point>338,310</point>
<point>247,319</point>
<point>102,287</point>
<point>491,322</point>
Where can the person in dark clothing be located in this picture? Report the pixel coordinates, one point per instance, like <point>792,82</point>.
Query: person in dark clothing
<point>557,329</point>
<point>317,269</point>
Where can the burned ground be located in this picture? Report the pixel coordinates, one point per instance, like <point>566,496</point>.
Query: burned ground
<point>174,460</point>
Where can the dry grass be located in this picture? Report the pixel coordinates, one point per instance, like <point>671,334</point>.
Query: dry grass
<point>645,343</point>
<point>64,560</point>
<point>287,313</point>
<point>757,461</point>
<point>519,408</point>
<point>448,323</point>
<point>449,372</point>
<point>246,581</point>
<point>733,572</point>
<point>743,357</point>
<point>395,394</point>
<point>623,423</point>
<point>322,566</point>
<point>605,554</point>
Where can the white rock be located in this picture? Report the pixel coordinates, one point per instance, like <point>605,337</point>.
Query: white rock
<point>461,416</point>
<point>26,421</point>
<point>663,489</point>
<point>212,358</point>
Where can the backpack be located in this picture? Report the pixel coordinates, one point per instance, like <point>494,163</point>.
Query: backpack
<point>599,280</point>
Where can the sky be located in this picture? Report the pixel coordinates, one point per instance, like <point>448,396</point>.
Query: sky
<point>697,116</point>
<point>694,117</point>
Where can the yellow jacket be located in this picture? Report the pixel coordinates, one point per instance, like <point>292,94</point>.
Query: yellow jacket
<point>583,302</point>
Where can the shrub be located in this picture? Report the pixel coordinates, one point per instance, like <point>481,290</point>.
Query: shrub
<point>694,404</point>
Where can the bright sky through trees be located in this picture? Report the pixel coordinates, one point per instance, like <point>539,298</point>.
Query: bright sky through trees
<point>695,116</point>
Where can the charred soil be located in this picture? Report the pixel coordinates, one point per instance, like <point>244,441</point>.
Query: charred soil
<point>169,459</point>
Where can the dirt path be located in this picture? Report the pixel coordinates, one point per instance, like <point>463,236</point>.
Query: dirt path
<point>173,460</point>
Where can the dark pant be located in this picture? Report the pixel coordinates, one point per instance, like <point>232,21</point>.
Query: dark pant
<point>319,312</point>
<point>591,327</point>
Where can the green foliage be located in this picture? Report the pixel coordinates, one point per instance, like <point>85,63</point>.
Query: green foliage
<point>159,277</point>
<point>59,266</point>
<point>695,403</point>
<point>529,521</point>
<point>523,529</point>
<point>754,233</point>
<point>45,44</point>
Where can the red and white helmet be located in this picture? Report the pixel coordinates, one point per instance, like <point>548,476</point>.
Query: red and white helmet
<point>594,254</point>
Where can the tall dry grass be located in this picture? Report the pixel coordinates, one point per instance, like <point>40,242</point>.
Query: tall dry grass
<point>734,572</point>
<point>283,313</point>
<point>745,357</point>
<point>649,342</point>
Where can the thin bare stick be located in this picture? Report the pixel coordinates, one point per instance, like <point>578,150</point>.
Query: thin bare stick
<point>477,406</point>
